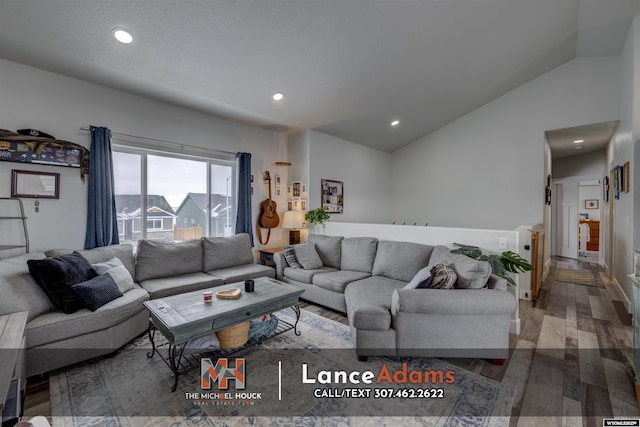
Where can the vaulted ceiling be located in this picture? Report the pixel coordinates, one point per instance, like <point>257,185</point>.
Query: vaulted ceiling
<point>346,68</point>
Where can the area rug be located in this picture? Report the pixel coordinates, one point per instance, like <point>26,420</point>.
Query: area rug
<point>133,390</point>
<point>575,276</point>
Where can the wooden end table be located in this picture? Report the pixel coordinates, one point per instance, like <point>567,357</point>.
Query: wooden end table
<point>266,254</point>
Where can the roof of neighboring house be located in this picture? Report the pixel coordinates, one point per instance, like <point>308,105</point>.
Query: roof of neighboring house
<point>202,199</point>
<point>129,204</point>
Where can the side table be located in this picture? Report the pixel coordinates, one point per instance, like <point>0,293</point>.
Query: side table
<point>266,255</point>
<point>13,367</point>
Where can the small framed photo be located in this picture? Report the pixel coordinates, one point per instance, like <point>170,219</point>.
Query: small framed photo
<point>591,204</point>
<point>290,205</point>
<point>296,188</point>
<point>33,184</point>
<point>296,205</point>
<point>303,204</point>
<point>251,177</point>
<point>289,191</point>
<point>278,192</point>
<point>304,189</point>
<point>636,262</point>
<point>252,190</point>
<point>277,180</point>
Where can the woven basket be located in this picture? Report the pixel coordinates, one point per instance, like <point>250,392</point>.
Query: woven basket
<point>234,336</point>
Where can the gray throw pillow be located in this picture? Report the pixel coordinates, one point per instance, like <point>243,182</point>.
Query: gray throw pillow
<point>443,277</point>
<point>308,256</point>
<point>422,279</point>
<point>290,256</point>
<point>329,248</point>
<point>102,267</point>
<point>118,272</point>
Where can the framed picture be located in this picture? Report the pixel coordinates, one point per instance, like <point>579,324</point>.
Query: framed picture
<point>41,185</point>
<point>303,204</point>
<point>591,204</point>
<point>278,192</point>
<point>616,182</point>
<point>625,178</point>
<point>636,262</point>
<point>304,189</point>
<point>251,177</point>
<point>277,180</point>
<point>289,191</point>
<point>332,196</point>
<point>605,189</point>
<point>296,205</point>
<point>290,205</point>
<point>296,188</point>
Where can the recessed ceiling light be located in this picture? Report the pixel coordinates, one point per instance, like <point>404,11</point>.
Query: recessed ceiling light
<point>395,123</point>
<point>122,35</point>
<point>578,141</point>
<point>278,96</point>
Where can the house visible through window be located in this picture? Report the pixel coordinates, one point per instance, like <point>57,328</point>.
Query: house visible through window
<point>175,196</point>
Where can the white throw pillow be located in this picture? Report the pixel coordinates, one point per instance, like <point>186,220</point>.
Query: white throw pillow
<point>423,275</point>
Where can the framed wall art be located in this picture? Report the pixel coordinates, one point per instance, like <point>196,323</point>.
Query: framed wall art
<point>332,196</point>
<point>591,204</point>
<point>33,184</point>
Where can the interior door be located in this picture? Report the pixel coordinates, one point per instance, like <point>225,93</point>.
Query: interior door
<point>567,230</point>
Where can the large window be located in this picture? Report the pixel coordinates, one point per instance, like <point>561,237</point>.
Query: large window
<point>171,196</point>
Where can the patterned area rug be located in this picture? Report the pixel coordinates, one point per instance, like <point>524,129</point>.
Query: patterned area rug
<point>575,276</point>
<point>133,390</point>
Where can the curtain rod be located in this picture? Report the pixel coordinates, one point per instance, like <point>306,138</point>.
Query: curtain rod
<point>177,144</point>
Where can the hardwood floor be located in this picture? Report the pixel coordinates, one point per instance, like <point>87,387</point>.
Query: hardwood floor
<point>567,367</point>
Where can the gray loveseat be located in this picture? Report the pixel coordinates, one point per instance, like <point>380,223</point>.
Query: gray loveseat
<point>370,281</point>
<point>157,269</point>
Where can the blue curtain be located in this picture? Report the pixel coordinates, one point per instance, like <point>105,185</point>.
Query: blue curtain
<point>102,222</point>
<point>244,223</point>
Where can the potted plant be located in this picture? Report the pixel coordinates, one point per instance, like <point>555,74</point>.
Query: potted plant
<point>317,217</point>
<point>501,264</point>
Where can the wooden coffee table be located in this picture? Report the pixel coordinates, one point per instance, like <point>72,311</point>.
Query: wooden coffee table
<point>184,317</point>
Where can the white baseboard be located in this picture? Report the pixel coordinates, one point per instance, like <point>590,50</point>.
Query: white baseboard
<point>514,326</point>
<point>627,303</point>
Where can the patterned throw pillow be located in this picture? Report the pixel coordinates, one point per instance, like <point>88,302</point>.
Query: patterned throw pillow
<point>443,276</point>
<point>290,256</point>
<point>97,292</point>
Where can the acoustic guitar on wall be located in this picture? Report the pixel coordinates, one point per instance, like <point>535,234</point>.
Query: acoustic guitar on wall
<point>268,213</point>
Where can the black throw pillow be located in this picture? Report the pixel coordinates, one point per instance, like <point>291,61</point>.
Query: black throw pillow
<point>97,292</point>
<point>56,275</point>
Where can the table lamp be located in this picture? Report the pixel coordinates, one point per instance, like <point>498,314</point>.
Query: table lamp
<point>293,220</point>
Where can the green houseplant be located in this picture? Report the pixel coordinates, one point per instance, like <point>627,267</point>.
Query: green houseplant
<point>317,217</point>
<point>501,265</point>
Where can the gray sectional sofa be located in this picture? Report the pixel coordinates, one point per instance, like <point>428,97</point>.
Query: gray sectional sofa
<point>55,339</point>
<point>374,282</point>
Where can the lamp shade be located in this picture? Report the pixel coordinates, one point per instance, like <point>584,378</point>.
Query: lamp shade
<point>293,219</point>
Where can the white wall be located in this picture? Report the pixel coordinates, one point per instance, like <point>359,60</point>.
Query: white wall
<point>486,169</point>
<point>60,105</point>
<point>621,150</point>
<point>364,171</point>
<point>584,164</point>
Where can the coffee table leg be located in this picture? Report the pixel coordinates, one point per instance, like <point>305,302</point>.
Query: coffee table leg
<point>152,332</point>
<point>296,309</point>
<point>174,361</point>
